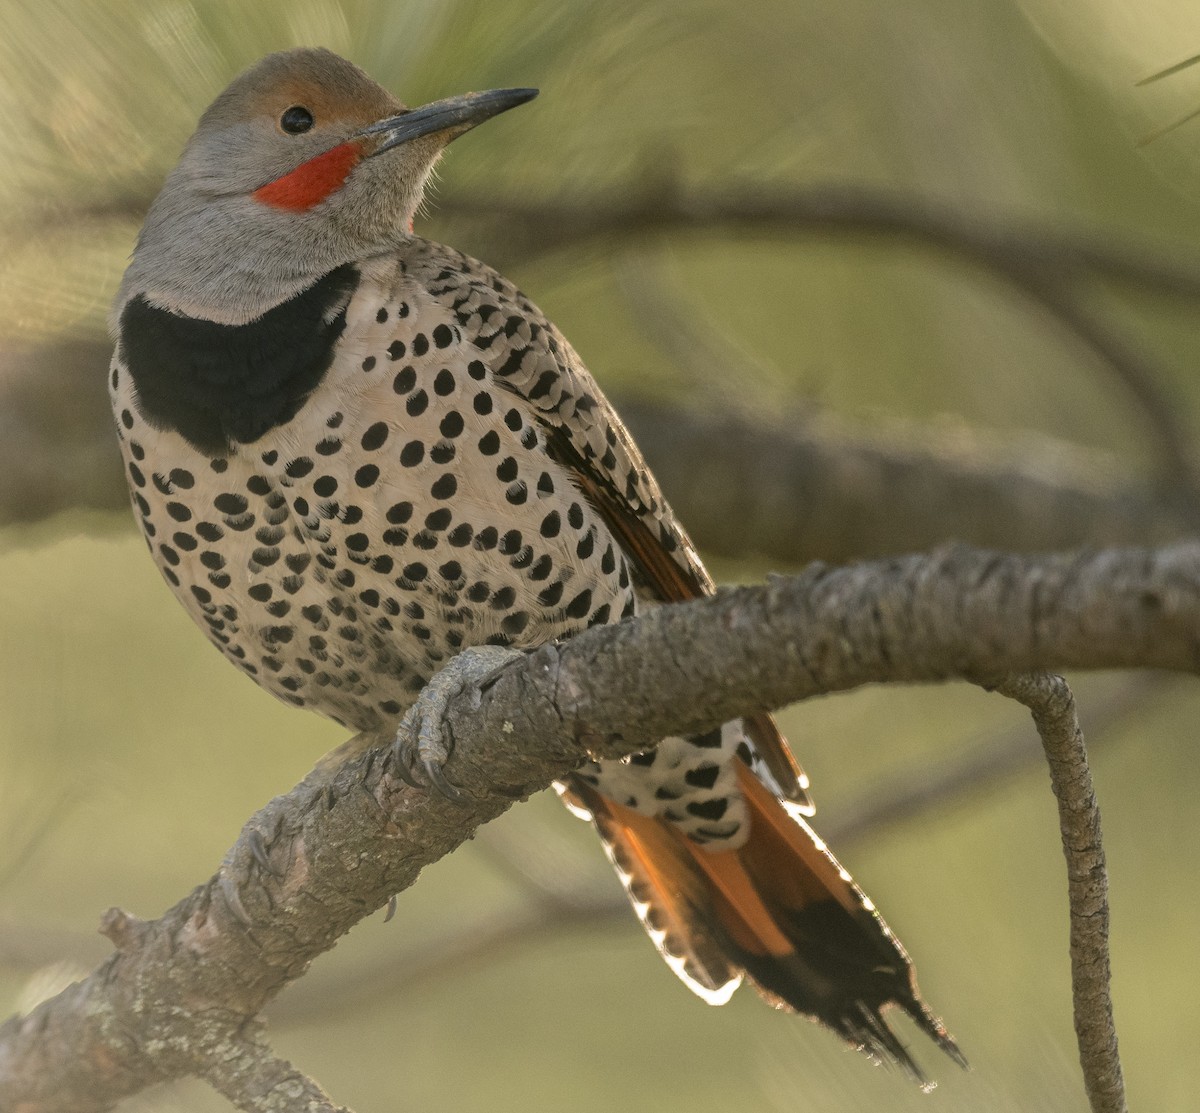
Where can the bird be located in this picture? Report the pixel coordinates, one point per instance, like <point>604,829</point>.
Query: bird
<point>369,468</point>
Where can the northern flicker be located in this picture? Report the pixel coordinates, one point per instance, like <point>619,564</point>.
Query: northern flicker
<point>358,456</point>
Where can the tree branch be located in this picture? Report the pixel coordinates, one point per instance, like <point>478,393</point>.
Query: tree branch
<point>351,834</point>
<point>1053,708</point>
<point>257,1081</point>
<point>808,488</point>
<point>555,906</point>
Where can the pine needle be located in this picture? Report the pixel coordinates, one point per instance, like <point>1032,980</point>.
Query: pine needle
<point>1170,70</point>
<point>1159,132</point>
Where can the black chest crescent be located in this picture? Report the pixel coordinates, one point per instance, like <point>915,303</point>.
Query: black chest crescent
<point>217,385</point>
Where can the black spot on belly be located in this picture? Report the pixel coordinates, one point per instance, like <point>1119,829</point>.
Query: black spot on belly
<point>708,809</point>
<point>580,605</point>
<point>514,623</point>
<point>374,437</point>
<point>218,384</point>
<point>704,776</point>
<point>229,503</point>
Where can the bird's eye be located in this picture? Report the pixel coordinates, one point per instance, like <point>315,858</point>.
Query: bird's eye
<point>296,119</point>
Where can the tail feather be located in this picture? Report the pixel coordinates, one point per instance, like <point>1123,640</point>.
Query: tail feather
<point>667,894</point>
<point>779,910</point>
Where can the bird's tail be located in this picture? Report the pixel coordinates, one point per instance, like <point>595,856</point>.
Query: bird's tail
<point>779,910</point>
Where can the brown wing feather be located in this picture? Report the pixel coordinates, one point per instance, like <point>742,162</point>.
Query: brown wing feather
<point>533,360</point>
<point>676,580</point>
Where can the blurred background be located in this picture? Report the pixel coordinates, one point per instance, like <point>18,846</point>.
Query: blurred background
<point>866,278</point>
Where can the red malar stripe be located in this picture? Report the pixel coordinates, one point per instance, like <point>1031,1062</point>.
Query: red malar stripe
<point>312,181</point>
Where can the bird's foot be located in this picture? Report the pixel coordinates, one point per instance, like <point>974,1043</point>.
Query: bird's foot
<point>422,746</point>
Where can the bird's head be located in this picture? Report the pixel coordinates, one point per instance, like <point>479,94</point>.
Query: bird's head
<point>301,165</point>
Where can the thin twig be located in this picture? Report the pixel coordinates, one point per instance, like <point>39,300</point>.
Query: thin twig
<point>717,370</point>
<point>544,865</point>
<point>1053,708</point>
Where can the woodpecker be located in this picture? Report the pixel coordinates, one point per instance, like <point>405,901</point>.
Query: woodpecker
<point>364,461</point>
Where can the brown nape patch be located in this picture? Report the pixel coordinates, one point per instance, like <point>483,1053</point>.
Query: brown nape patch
<point>335,91</point>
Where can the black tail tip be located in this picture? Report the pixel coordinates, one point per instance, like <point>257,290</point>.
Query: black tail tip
<point>936,1031</point>
<point>864,1026</point>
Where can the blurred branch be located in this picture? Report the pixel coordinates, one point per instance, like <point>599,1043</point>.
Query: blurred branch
<point>484,941</point>
<point>773,488</point>
<point>1045,264</point>
<point>180,991</point>
<point>817,488</point>
<point>981,766</point>
<point>1053,708</point>
<point>792,490</point>
<point>714,368</point>
<point>535,228</point>
<point>532,228</point>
